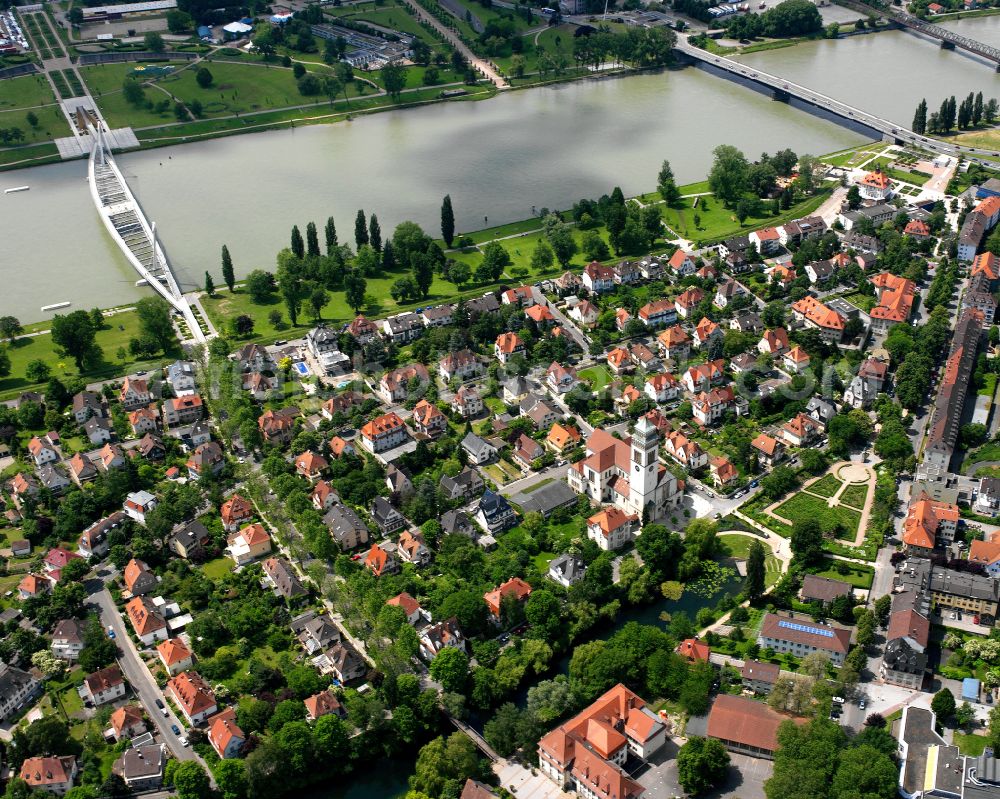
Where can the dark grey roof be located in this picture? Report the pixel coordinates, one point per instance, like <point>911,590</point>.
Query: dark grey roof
<point>342,520</point>
<point>13,681</point>
<point>569,566</point>
<point>548,498</point>
<point>284,578</point>
<point>191,535</point>
<point>383,510</point>
<point>142,762</point>
<point>900,656</point>
<point>456,521</point>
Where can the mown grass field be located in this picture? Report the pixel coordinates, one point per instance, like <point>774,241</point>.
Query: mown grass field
<point>803,506</point>
<point>738,546</point>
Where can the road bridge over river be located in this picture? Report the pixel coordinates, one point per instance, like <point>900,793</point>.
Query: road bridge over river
<point>949,39</point>
<point>785,90</point>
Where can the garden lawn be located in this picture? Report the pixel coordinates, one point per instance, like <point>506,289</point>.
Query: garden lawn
<point>597,376</point>
<point>541,561</point>
<point>826,486</point>
<point>804,506</point>
<point>989,386</point>
<point>31,92</point>
<point>26,92</point>
<point>857,575</point>
<point>717,222</point>
<point>863,301</point>
<point>41,347</point>
<point>855,495</point>
<point>218,568</point>
<point>970,744</point>
<point>392,15</point>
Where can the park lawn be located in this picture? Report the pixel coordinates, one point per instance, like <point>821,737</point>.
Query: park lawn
<point>554,41</point>
<point>28,91</point>
<point>717,222</point>
<point>392,16</point>
<point>218,568</point>
<point>598,377</point>
<point>446,76</point>
<point>804,506</point>
<point>105,82</point>
<point>826,486</point>
<point>857,575</point>
<point>530,225</point>
<point>51,124</point>
<point>989,386</point>
<point>855,495</point>
<point>110,340</point>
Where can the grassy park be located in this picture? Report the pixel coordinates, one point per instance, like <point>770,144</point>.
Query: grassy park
<point>805,506</point>
<point>854,573</point>
<point>738,546</point>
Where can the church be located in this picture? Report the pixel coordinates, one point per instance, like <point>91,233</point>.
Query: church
<point>627,474</point>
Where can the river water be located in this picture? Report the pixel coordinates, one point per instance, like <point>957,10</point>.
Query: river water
<point>498,158</point>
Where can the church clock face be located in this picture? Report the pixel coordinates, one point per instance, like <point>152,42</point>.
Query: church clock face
<point>637,467</point>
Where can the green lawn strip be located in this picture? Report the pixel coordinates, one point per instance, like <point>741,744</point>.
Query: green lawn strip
<point>717,222</point>
<point>393,16</point>
<point>989,386</point>
<point>851,156</point>
<point>826,486</point>
<point>804,506</point>
<point>857,575</point>
<point>110,339</point>
<point>541,561</point>
<point>971,744</point>
<point>855,495</point>
<point>863,301</point>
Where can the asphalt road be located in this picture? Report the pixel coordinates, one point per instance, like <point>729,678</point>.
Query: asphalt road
<point>135,670</point>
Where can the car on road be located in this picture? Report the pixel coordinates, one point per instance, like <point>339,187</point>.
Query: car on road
<point>159,704</point>
<point>755,483</point>
<point>184,741</point>
<point>175,729</point>
<point>862,703</point>
<point>111,632</point>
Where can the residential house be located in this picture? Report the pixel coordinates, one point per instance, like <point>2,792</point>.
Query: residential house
<point>662,387</point>
<point>875,186</point>
<point>325,703</point>
<point>99,430</point>
<point>584,313</point>
<point>767,240</point>
<point>388,519</point>
<point>612,528</point>
<point>346,527</point>
<point>467,403</point>
<point>236,511</point>
<point>687,301</point>
<point>93,542</point>
<point>674,344</point>
<point>745,726</point>
<point>561,437</point>
<point>384,433</point>
<point>345,664</point>
<point>127,722</point>
<point>151,448</point>
<point>522,295</point>
<point>410,607</point>
<point>311,465</point>
<point>747,322</point>
<point>253,358</point>
<point>323,496</point>
<point>250,543</point>
<point>722,470</point>
<point>917,229</point>
<point>905,659</point>
<point>462,364</point>
<point>515,390</point>
<point>598,279</point>
<point>478,449</point>
<point>929,523</point>
<point>769,450</point>
<point>860,393</point>
<point>988,497</point>
<point>42,450</point>
<point>773,342</point>
<point>658,313</point>
<point>278,427</point>
<point>147,621</point>
<point>437,315</point>
<point>395,384</point>
<point>87,404</point>
<point>412,549</point>
<point>895,299</point>
<point>627,272</point>
<point>193,696</point>
<point>619,361</point>
<point>515,589</point>
<point>687,453</point>
<point>726,292</point>
<point>175,656</point>
<point>526,450</point>
<point>706,332</point>
<point>17,690</point>
<point>759,677</point>
<point>225,735</point>
<point>182,410</point>
<point>823,590</point>
<point>801,430</point>
<point>110,457</point>
<point>381,559</point>
<point>362,330</point>
<point>463,486</point>
<point>507,346</point>
<point>540,315</point>
<point>796,360</point>
<point>561,379</point>
<point>324,346</point>
<point>134,394</point>
<point>428,419</point>
<point>67,639</point>
<point>440,636</point>
<point>139,578</point>
<point>457,522</point>
<point>103,686</point>
<point>704,376</point>
<point>207,459</point>
<point>53,775</point>
<point>278,573</point>
<point>566,570</point>
<point>815,314</point>
<point>710,407</point>
<point>643,357</point>
<point>694,651</point>
<point>33,585</point>
<point>681,263</point>
<point>494,514</point>
<point>138,504</point>
<point>342,403</point>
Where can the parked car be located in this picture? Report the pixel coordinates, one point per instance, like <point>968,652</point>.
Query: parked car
<point>175,729</point>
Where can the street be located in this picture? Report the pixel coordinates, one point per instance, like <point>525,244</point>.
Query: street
<point>135,671</point>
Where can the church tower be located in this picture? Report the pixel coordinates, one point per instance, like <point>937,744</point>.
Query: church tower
<point>645,467</point>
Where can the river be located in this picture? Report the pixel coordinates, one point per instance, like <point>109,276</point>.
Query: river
<point>497,158</point>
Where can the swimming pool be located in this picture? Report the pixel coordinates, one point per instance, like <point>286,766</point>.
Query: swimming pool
<point>302,369</point>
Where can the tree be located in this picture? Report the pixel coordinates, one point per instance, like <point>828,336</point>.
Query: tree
<point>37,371</point>
<point>495,259</point>
<point>864,771</point>
<point>459,274</point>
<point>191,781</point>
<point>920,118</point>
<point>807,540</point>
<point>231,776</point>
<point>728,176</point>
<point>259,285</point>
<point>10,328</point>
<point>374,234</point>
<point>203,77</point>
<point>330,232</point>
<point>943,705</point>
<point>360,229</point>
<point>317,299</point>
<point>542,257</point>
<point>702,764</point>
<point>75,335</point>
<point>450,667</point>
<point>243,325</point>
<point>354,289</point>
<point>444,765</point>
<point>312,240</point>
<point>542,611</point>
<point>423,273</point>
<point>209,284</point>
<point>447,221</point>
<point>153,42</point>
<point>297,244</point>
<point>154,321</point>
<point>132,92</point>
<point>666,185</point>
<point>594,247</point>
<point>228,275</point>
<point>756,572</point>
<point>883,605</point>
<point>394,79</point>
<point>563,244</point>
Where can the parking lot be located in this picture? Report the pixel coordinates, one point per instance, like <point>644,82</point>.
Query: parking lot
<point>746,777</point>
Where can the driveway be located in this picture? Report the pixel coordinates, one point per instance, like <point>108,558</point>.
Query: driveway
<point>135,671</point>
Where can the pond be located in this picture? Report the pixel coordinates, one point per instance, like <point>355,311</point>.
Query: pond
<point>386,781</point>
